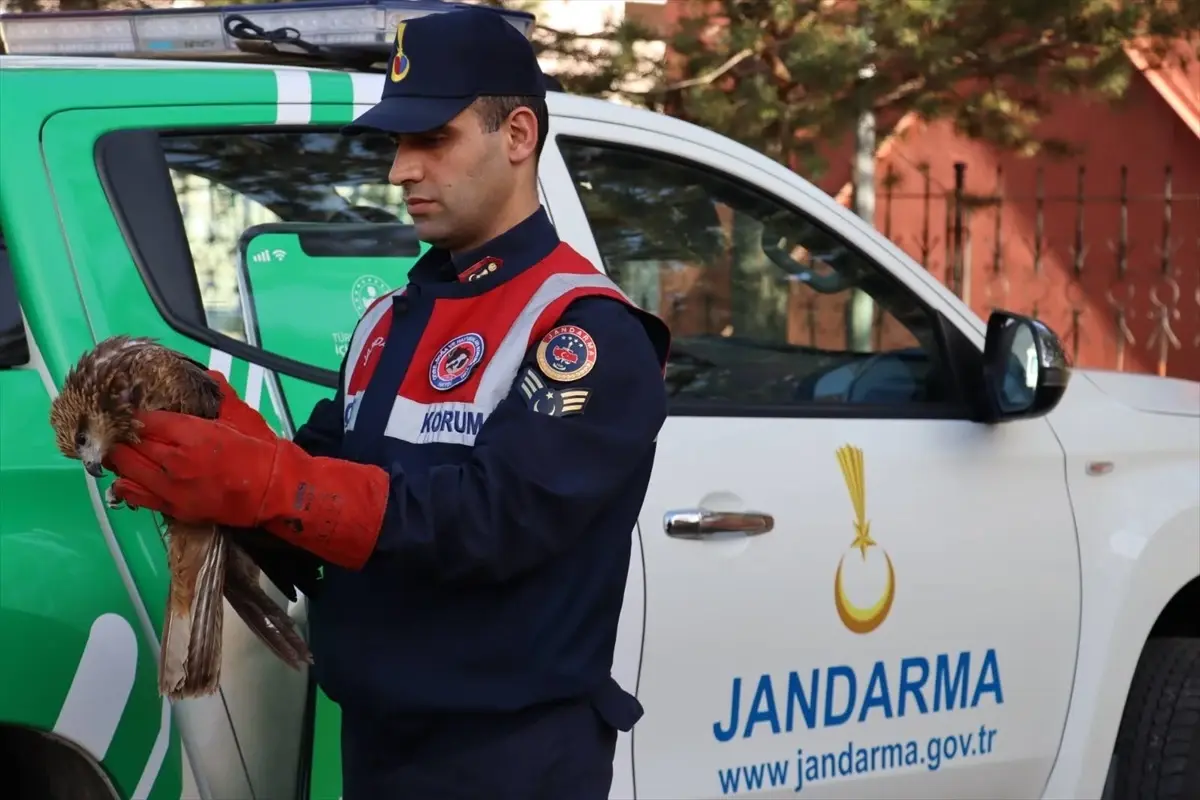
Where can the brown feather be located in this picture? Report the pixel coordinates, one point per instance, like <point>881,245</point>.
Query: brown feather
<point>190,659</point>
<point>96,410</point>
<point>268,621</point>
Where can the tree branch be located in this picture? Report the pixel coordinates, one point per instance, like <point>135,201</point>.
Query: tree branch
<point>707,78</point>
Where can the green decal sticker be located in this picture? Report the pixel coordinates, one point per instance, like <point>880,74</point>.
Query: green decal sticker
<point>334,271</point>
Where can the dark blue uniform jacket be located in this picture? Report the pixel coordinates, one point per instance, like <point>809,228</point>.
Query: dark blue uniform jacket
<point>498,577</point>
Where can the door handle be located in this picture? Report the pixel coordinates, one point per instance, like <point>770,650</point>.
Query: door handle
<point>698,523</point>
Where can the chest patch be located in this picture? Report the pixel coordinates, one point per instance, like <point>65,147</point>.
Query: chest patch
<point>456,360</point>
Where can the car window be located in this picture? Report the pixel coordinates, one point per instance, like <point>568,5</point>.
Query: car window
<point>766,307</point>
<point>227,184</point>
<point>291,235</point>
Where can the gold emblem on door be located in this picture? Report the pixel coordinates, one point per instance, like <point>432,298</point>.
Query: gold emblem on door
<point>865,583</point>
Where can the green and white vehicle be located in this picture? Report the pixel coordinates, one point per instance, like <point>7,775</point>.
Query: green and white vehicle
<point>932,567</point>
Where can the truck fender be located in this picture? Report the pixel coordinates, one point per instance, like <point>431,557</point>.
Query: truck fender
<point>1129,578</point>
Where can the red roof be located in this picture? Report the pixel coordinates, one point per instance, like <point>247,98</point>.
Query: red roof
<point>1176,79</point>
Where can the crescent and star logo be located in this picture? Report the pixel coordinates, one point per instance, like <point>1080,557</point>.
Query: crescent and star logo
<point>400,62</point>
<point>866,571</point>
<point>567,353</point>
<point>860,685</point>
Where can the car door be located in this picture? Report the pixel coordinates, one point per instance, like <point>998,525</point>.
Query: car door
<point>853,589</point>
<point>149,200</point>
<point>223,230</point>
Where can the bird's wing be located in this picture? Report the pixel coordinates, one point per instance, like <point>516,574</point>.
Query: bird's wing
<point>190,661</point>
<point>261,614</point>
<point>201,395</point>
<point>163,379</point>
<point>289,567</point>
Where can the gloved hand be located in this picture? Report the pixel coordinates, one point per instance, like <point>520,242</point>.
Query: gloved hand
<point>200,470</point>
<point>236,413</point>
<point>233,411</point>
<point>285,565</point>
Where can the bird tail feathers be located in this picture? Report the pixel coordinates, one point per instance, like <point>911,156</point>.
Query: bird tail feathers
<point>190,659</point>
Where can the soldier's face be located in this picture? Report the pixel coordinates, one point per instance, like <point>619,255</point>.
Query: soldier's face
<point>457,179</point>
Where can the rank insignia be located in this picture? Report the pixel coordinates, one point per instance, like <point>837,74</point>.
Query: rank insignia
<point>480,269</point>
<point>453,363</point>
<point>566,353</point>
<point>541,399</point>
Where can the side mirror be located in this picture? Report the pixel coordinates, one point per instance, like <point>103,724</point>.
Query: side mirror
<point>1025,368</point>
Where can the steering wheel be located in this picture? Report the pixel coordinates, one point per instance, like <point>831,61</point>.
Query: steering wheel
<point>683,369</point>
<point>825,284</point>
<point>861,369</point>
<point>361,213</point>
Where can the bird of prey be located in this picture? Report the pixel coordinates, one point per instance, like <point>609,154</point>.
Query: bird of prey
<point>94,411</point>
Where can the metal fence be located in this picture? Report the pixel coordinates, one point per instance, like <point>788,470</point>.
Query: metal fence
<point>1110,262</point>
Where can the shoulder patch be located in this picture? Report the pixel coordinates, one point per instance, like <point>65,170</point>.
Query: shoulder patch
<point>453,363</point>
<point>541,399</point>
<point>566,353</point>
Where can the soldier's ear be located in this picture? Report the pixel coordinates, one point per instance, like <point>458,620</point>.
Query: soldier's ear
<point>522,134</point>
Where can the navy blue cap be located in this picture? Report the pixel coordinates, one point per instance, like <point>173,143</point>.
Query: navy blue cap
<point>440,63</point>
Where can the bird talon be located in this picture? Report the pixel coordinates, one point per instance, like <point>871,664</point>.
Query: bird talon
<point>111,499</point>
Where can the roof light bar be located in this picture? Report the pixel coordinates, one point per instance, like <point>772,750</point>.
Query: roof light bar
<point>183,32</point>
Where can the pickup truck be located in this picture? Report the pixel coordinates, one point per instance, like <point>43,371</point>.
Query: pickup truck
<point>945,564</point>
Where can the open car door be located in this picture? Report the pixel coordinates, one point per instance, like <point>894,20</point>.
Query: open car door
<point>252,247</point>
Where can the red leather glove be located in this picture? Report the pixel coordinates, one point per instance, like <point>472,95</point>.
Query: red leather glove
<point>200,470</point>
<point>236,413</point>
<point>233,411</point>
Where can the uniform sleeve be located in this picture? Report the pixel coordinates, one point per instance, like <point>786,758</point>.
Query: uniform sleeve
<point>321,435</point>
<point>550,457</point>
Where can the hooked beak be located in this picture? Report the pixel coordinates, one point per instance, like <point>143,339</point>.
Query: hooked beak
<point>91,455</point>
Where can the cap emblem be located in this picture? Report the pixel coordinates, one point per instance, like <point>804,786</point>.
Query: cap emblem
<point>400,63</point>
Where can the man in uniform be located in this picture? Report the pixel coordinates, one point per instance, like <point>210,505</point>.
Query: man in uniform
<point>472,487</point>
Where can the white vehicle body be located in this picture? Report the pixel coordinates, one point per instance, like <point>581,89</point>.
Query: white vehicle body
<point>1009,541</point>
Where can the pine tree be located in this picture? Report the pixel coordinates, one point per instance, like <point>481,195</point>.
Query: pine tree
<point>612,62</point>
<point>782,67</point>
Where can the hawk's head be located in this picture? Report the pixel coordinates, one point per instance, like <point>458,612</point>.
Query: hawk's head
<point>95,409</point>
